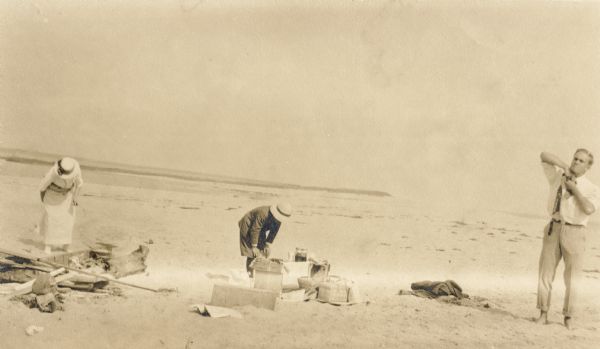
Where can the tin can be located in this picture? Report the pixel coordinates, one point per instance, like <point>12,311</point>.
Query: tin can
<point>300,254</point>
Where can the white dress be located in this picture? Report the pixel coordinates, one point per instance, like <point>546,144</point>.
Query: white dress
<point>59,211</point>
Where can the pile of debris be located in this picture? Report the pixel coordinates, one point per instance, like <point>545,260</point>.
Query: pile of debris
<point>42,282</point>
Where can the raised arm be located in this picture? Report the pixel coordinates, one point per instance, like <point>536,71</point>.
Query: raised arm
<point>554,160</point>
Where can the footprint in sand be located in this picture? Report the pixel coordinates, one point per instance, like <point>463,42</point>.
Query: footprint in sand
<point>513,252</point>
<point>453,232</point>
<point>591,271</point>
<point>456,249</point>
<point>512,240</point>
<point>524,235</point>
<point>473,239</point>
<point>440,250</point>
<point>385,244</point>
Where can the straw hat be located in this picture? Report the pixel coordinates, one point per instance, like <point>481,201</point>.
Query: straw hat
<point>281,211</point>
<point>66,167</point>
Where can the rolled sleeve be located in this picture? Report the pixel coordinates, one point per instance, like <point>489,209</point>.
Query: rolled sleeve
<point>594,197</point>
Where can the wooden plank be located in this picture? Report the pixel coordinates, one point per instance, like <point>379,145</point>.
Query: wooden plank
<point>232,296</point>
<point>65,277</point>
<point>26,287</point>
<point>14,264</point>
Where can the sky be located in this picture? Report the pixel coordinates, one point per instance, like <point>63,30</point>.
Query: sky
<point>436,102</point>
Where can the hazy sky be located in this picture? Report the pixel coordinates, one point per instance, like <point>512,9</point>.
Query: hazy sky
<point>424,100</point>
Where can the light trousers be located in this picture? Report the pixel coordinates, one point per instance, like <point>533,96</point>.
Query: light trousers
<point>566,242</point>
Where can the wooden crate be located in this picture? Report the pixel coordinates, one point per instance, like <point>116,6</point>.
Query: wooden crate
<point>268,275</point>
<point>268,265</point>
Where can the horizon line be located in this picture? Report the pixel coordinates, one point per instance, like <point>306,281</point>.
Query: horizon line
<point>35,157</point>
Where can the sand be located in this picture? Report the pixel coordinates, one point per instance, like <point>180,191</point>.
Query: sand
<point>383,244</point>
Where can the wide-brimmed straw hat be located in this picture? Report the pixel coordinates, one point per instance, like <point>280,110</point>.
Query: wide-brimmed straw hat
<point>66,167</point>
<point>281,211</point>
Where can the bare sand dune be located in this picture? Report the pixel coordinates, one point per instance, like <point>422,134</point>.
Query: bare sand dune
<point>382,243</point>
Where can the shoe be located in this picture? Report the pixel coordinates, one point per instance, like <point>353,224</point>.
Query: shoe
<point>568,323</point>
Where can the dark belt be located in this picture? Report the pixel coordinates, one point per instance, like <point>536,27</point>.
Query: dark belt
<point>558,221</point>
<point>567,223</point>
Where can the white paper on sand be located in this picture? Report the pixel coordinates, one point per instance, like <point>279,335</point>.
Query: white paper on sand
<point>31,330</point>
<point>294,296</point>
<point>216,312</point>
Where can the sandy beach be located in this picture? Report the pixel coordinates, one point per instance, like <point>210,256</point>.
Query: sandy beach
<point>381,243</point>
<point>407,135</point>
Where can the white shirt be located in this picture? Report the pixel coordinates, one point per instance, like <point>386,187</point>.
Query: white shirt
<point>570,211</point>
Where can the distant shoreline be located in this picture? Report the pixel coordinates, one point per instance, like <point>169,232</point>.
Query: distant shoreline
<point>36,158</point>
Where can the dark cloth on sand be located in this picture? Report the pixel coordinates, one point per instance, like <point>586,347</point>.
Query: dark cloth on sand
<point>434,289</point>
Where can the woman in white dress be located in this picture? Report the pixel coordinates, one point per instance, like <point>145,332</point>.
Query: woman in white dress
<point>59,191</point>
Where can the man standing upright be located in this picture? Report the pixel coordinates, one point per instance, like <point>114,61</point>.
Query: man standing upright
<point>573,198</point>
<point>254,226</point>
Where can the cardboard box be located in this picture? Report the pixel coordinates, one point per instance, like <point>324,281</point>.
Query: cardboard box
<point>265,280</point>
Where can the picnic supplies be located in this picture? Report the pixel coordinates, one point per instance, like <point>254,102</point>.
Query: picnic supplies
<point>338,291</point>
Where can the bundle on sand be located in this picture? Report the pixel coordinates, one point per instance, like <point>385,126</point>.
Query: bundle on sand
<point>449,292</point>
<point>434,289</point>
